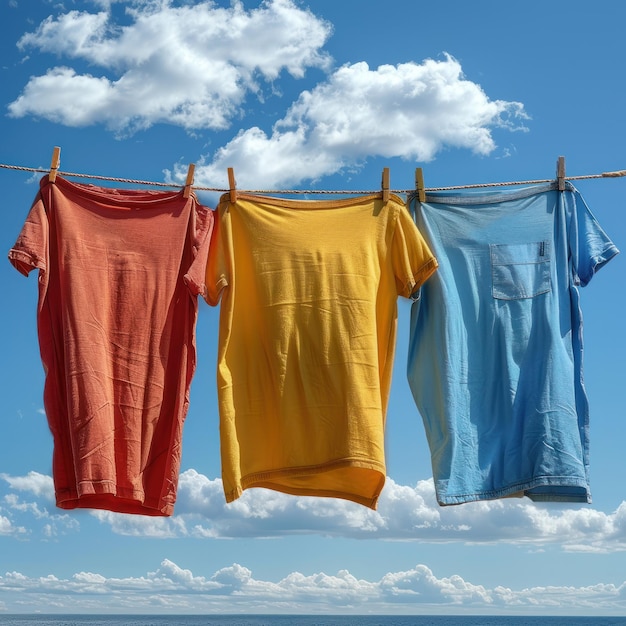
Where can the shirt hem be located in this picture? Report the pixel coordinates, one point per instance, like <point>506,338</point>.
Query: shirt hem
<point>107,496</point>
<point>524,488</point>
<point>267,480</point>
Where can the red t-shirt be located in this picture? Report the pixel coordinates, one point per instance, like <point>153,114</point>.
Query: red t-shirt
<point>119,276</point>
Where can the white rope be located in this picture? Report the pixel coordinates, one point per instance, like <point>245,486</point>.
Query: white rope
<point>615,174</point>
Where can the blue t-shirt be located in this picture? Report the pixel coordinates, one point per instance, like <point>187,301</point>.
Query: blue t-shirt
<point>495,356</point>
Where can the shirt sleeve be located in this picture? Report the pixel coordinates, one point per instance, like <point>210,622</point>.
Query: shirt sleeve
<point>413,261</point>
<point>590,247</point>
<point>30,251</point>
<point>218,263</point>
<point>202,228</point>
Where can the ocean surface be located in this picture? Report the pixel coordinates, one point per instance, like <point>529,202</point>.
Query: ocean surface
<point>301,620</point>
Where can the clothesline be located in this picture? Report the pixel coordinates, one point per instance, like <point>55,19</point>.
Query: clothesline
<point>615,174</point>
<point>531,266</point>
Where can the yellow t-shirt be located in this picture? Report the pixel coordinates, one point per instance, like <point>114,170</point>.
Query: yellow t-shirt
<point>307,336</point>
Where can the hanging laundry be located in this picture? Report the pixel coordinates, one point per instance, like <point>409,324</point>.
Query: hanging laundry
<point>119,275</point>
<point>495,357</point>
<point>308,320</point>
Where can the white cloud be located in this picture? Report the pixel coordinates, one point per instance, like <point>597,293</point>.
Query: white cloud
<point>404,513</point>
<point>194,65</point>
<point>234,589</point>
<point>38,484</point>
<point>8,528</point>
<point>411,111</point>
<point>140,526</point>
<point>189,65</point>
<point>40,517</point>
<point>74,33</point>
<point>106,4</point>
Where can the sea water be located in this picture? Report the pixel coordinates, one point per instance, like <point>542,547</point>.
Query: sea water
<point>302,620</point>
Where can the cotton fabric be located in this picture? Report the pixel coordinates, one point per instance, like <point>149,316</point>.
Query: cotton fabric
<point>119,275</point>
<point>495,356</point>
<point>308,321</point>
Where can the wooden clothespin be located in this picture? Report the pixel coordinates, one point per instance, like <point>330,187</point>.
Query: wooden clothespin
<point>232,185</point>
<point>189,181</point>
<point>560,172</point>
<point>385,184</point>
<point>419,184</point>
<point>54,164</point>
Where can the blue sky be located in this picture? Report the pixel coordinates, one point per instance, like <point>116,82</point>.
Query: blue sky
<point>313,95</point>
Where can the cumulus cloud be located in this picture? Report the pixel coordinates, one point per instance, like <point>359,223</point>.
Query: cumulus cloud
<point>411,111</point>
<point>234,589</point>
<point>404,513</point>
<point>7,528</point>
<point>189,65</point>
<point>194,65</point>
<point>408,513</point>
<point>38,484</point>
<point>36,518</point>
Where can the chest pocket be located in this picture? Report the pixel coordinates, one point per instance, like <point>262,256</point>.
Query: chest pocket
<point>520,270</point>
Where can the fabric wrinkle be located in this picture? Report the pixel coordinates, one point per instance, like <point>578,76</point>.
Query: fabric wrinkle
<point>495,346</point>
<point>308,293</point>
<point>116,322</point>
